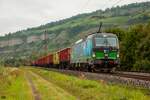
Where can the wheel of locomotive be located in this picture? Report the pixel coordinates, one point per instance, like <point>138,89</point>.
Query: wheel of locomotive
<point>73,67</point>
<point>89,68</point>
<point>86,67</point>
<point>78,67</point>
<point>82,67</point>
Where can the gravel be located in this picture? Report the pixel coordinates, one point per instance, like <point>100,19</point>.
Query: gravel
<point>107,77</point>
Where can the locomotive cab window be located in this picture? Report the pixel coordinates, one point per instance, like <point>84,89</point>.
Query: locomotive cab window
<point>105,41</point>
<point>112,41</point>
<point>99,41</point>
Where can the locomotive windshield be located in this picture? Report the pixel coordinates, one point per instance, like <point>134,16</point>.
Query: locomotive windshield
<point>106,41</point>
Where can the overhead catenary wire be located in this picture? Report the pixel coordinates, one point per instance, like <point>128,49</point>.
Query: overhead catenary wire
<point>107,3</point>
<point>110,7</point>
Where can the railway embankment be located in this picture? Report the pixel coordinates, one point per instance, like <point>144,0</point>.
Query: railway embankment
<point>84,88</point>
<point>141,80</point>
<point>28,83</point>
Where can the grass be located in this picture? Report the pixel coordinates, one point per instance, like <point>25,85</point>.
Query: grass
<point>49,91</point>
<point>13,85</point>
<point>91,90</point>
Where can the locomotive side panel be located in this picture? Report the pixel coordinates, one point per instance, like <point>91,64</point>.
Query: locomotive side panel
<point>82,51</point>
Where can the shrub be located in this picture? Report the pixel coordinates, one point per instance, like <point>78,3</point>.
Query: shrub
<point>142,65</point>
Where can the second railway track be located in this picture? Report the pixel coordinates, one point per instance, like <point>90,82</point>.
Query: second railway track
<point>139,77</point>
<point>121,78</point>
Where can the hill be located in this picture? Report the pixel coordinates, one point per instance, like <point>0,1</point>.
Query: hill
<point>65,32</point>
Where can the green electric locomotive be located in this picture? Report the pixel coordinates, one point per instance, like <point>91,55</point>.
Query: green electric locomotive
<point>96,52</point>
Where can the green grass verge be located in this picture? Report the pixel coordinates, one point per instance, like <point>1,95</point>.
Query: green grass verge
<point>13,85</point>
<point>91,90</point>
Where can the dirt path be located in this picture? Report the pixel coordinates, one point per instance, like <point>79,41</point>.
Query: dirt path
<point>32,85</point>
<point>45,90</point>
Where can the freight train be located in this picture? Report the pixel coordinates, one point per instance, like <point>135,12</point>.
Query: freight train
<point>96,52</point>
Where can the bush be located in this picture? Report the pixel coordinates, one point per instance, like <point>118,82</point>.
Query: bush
<point>134,47</point>
<point>143,65</point>
<point>13,62</point>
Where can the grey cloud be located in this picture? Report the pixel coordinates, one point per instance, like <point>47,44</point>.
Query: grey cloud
<point>20,14</point>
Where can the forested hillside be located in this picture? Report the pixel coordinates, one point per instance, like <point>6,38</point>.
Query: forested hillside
<point>129,22</point>
<point>134,47</point>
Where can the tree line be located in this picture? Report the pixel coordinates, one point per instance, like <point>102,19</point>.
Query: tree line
<point>134,47</point>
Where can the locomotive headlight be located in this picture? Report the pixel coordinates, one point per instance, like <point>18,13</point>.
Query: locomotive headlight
<point>106,55</point>
<point>93,55</point>
<point>117,55</point>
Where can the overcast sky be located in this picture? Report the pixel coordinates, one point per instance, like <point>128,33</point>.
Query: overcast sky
<point>21,14</point>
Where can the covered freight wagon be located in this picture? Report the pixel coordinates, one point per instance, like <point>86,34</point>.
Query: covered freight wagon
<point>49,60</point>
<point>64,57</point>
<point>41,62</point>
<point>45,61</point>
<point>55,59</point>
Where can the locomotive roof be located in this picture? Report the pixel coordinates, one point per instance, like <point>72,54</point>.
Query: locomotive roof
<point>97,34</point>
<point>104,34</point>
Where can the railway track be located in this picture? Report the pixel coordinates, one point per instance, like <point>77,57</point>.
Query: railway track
<point>135,73</point>
<point>121,78</point>
<point>139,77</point>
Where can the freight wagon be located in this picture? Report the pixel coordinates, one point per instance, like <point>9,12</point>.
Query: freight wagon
<point>64,57</point>
<point>49,60</point>
<point>55,59</point>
